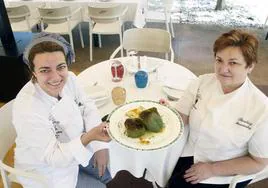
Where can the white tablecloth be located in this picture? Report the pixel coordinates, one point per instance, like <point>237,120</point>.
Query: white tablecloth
<point>159,163</point>
<point>135,11</point>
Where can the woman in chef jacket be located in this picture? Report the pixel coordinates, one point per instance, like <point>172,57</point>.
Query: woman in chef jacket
<point>56,123</point>
<point>227,116</point>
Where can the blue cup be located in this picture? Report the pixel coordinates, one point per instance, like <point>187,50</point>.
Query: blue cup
<point>141,79</point>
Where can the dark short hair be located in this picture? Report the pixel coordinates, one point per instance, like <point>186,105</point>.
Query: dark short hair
<point>43,47</point>
<point>247,42</point>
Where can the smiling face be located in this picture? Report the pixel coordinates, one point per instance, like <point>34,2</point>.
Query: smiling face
<point>231,68</point>
<point>51,72</point>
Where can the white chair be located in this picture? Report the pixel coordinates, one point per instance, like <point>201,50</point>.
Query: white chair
<point>60,21</point>
<point>19,18</point>
<point>255,177</point>
<point>156,16</point>
<point>146,40</point>
<point>8,136</point>
<point>105,21</point>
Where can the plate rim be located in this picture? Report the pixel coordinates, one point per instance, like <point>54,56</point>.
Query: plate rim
<point>149,149</point>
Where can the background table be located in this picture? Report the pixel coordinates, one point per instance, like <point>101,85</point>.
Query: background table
<point>159,163</point>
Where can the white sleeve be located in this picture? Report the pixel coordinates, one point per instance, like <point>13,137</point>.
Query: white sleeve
<point>258,143</point>
<point>91,116</point>
<point>187,100</point>
<point>36,134</point>
<point>92,119</point>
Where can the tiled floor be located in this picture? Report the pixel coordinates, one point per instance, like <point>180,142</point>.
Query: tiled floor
<point>193,49</point>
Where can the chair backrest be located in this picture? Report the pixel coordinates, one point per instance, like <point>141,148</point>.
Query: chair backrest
<point>261,175</point>
<point>8,136</point>
<point>55,15</point>
<point>124,179</point>
<point>148,40</point>
<point>7,130</point>
<point>255,177</point>
<point>18,13</point>
<point>106,14</point>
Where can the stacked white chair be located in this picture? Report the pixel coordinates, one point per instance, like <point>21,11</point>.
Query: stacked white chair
<point>155,16</point>
<point>146,40</point>
<point>60,21</point>
<point>8,136</point>
<point>19,17</point>
<point>105,21</point>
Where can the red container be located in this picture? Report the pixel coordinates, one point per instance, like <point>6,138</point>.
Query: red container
<point>117,70</point>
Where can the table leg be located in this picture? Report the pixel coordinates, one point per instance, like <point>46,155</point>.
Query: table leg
<point>96,40</point>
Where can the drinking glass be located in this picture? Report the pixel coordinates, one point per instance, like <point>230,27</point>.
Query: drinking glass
<point>117,70</point>
<point>119,95</point>
<point>141,79</point>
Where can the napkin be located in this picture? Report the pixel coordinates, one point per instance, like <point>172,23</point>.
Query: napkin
<point>98,95</point>
<point>96,92</point>
<point>171,78</point>
<point>175,83</point>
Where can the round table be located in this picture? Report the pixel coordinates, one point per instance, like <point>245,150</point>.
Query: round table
<point>159,163</point>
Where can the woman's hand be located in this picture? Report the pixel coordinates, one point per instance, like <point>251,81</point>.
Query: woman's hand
<point>101,159</point>
<point>97,133</point>
<point>100,132</point>
<point>163,102</point>
<point>184,117</point>
<point>198,172</point>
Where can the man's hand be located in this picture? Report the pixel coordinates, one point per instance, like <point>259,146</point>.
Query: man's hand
<point>101,159</point>
<point>198,172</point>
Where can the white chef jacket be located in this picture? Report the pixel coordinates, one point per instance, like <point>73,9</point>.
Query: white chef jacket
<point>49,130</point>
<point>224,126</point>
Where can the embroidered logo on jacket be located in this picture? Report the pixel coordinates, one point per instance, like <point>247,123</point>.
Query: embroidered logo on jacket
<point>56,124</point>
<point>244,123</point>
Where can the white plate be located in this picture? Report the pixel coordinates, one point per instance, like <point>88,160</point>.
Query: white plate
<point>98,93</point>
<point>172,131</point>
<point>172,93</point>
<point>132,66</point>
